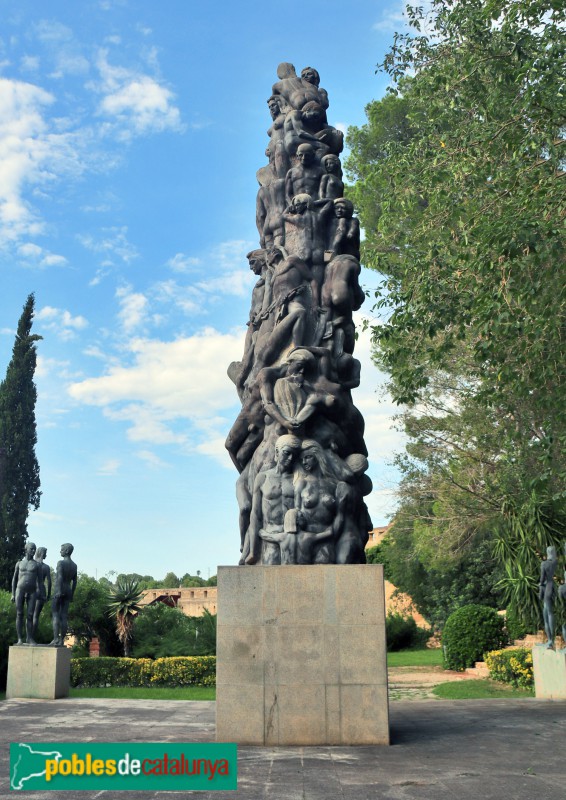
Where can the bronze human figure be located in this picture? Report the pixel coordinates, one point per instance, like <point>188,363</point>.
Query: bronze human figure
<point>44,578</point>
<point>25,589</point>
<point>547,592</point>
<point>63,591</point>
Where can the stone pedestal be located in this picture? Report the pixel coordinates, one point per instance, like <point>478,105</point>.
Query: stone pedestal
<point>38,672</point>
<point>301,655</point>
<point>549,667</point>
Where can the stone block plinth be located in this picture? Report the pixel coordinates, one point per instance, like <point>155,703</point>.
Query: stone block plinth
<point>38,672</point>
<point>549,667</point>
<point>301,655</point>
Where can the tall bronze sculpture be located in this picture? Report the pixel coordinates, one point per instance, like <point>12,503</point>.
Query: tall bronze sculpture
<point>298,441</point>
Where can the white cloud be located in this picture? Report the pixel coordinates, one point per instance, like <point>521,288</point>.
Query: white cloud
<point>135,102</point>
<point>29,63</point>
<point>151,458</point>
<point>48,367</point>
<point>63,49</point>
<point>23,153</point>
<point>61,321</point>
<point>392,18</point>
<point>133,309</point>
<point>182,263</point>
<point>109,467</point>
<point>34,255</point>
<point>112,244</point>
<point>172,392</point>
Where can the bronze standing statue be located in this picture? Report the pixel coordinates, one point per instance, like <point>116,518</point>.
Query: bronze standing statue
<point>43,595</point>
<point>64,589</point>
<point>298,442</point>
<point>546,593</point>
<point>25,589</point>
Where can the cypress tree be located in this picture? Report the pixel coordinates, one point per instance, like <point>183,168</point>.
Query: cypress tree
<point>19,469</point>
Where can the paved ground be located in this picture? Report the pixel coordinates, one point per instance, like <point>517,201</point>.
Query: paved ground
<point>442,750</point>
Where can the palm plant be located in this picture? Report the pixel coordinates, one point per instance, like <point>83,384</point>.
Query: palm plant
<point>123,604</point>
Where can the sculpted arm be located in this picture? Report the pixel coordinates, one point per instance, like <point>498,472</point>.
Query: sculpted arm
<point>48,575</point>
<point>256,518</point>
<point>15,580</point>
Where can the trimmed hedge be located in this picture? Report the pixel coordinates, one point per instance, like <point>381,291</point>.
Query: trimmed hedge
<point>470,632</point>
<point>511,666</point>
<point>403,633</point>
<point>176,671</point>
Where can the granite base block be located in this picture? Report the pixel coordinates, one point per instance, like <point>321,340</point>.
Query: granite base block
<point>549,667</point>
<point>301,655</point>
<point>39,672</point>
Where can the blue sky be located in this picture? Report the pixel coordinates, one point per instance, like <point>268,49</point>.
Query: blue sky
<point>130,134</point>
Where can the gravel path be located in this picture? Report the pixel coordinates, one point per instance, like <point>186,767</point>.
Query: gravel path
<point>416,683</point>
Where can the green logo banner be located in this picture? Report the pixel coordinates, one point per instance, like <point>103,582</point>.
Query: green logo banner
<point>142,766</point>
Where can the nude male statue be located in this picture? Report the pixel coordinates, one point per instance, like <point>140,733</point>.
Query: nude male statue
<point>273,496</point>
<point>42,595</point>
<point>25,589</point>
<point>306,176</point>
<point>547,590</point>
<point>65,585</point>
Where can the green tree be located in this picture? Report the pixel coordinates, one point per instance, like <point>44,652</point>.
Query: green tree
<point>19,469</point>
<point>459,176</point>
<point>161,631</point>
<point>188,581</point>
<point>123,605</point>
<point>88,614</point>
<point>171,581</point>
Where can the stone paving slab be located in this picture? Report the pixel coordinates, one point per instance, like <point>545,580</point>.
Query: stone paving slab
<point>442,750</point>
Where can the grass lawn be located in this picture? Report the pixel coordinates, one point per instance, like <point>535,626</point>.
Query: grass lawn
<point>415,658</point>
<point>143,693</point>
<point>478,689</point>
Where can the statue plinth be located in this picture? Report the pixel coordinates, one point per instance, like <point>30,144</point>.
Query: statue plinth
<point>549,668</point>
<point>38,672</point>
<point>301,655</point>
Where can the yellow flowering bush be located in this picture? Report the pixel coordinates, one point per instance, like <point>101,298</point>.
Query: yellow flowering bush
<point>178,671</point>
<point>511,666</point>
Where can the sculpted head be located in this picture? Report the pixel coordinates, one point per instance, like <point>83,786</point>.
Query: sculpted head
<point>311,455</point>
<point>301,202</point>
<point>314,112</point>
<point>343,208</point>
<point>41,553</point>
<point>256,259</point>
<point>310,75</point>
<point>286,70</point>
<point>30,549</point>
<point>274,105</point>
<point>551,553</point>
<point>305,154</point>
<point>331,163</point>
<point>286,449</point>
<point>66,549</point>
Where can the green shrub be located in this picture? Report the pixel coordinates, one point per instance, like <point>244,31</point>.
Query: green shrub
<point>511,666</point>
<point>179,671</point>
<point>403,633</point>
<point>515,626</point>
<point>470,632</point>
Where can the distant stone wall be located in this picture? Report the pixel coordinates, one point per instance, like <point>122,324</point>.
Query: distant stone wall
<point>193,601</point>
